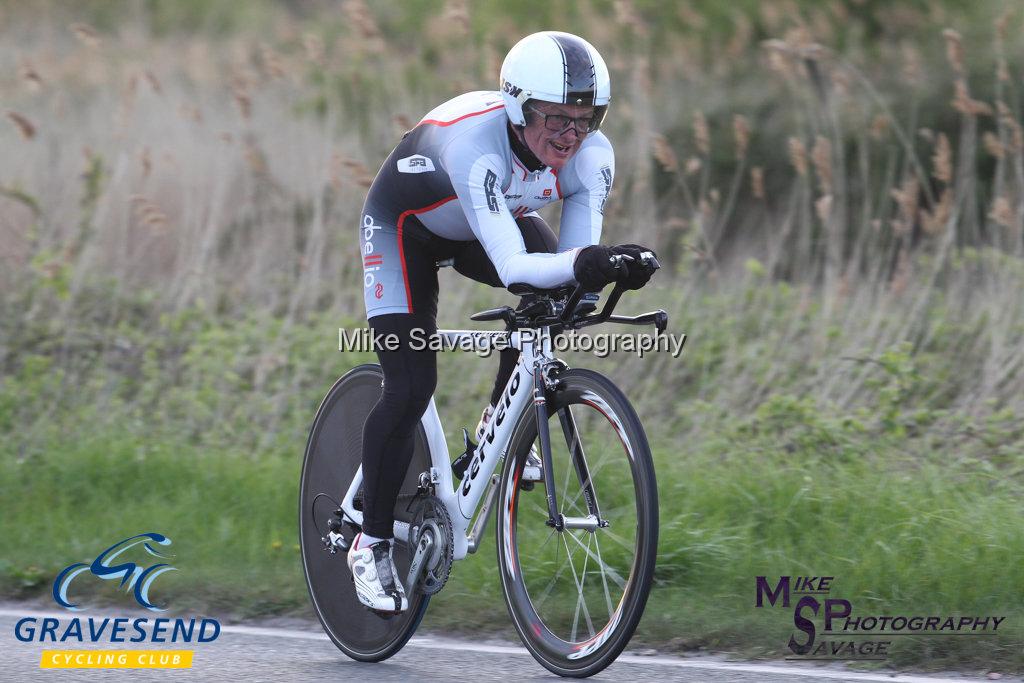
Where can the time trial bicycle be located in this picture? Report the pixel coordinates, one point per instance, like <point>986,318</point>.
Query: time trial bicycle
<point>576,537</point>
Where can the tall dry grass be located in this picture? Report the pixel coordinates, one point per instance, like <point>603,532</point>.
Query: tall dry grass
<point>834,188</point>
<point>149,171</point>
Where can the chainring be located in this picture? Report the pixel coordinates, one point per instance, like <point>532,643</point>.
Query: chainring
<point>432,517</point>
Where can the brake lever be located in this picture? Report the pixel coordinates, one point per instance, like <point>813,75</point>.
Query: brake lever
<point>617,259</point>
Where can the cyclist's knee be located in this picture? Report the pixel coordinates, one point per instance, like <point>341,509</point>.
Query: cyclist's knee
<point>401,391</point>
<point>410,371</point>
<point>421,388</point>
<point>407,395</point>
<point>538,237</point>
<point>407,391</point>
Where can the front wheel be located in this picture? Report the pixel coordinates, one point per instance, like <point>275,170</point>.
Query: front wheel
<point>576,596</point>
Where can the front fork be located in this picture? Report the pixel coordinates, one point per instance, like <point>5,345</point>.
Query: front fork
<point>556,519</point>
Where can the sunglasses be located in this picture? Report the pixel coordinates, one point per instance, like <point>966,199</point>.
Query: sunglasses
<point>558,123</point>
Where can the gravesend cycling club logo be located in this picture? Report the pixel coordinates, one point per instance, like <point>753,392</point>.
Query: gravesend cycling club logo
<point>133,577</point>
<point>849,636</point>
<point>134,564</point>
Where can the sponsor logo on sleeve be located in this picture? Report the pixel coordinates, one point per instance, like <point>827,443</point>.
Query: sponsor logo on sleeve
<point>372,260</point>
<point>606,175</point>
<point>492,198</point>
<point>415,164</point>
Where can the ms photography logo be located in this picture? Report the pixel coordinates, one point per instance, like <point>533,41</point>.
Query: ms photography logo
<point>870,636</point>
<point>137,577</point>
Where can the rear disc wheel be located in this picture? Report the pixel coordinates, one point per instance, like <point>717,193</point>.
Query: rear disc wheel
<point>333,455</point>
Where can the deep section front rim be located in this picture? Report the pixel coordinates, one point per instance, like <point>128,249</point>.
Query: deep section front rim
<point>577,639</point>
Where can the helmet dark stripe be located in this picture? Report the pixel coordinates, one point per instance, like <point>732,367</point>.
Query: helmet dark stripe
<point>565,69</point>
<point>580,81</point>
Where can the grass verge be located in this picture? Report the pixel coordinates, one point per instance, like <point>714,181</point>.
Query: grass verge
<point>900,535</point>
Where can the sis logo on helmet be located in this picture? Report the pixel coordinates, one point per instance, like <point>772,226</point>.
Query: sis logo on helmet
<point>552,66</point>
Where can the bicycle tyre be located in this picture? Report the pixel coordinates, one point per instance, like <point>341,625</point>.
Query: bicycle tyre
<point>580,390</point>
<point>333,453</point>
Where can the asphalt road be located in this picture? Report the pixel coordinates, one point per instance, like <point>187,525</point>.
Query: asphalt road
<point>302,652</point>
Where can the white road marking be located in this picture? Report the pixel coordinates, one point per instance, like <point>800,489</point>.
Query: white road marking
<point>434,643</point>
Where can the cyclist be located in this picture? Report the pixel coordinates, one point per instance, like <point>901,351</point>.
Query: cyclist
<point>465,184</point>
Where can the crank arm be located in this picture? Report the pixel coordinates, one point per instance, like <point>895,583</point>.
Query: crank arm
<point>419,562</point>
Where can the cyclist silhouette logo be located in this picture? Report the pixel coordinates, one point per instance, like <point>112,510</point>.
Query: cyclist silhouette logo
<point>134,577</point>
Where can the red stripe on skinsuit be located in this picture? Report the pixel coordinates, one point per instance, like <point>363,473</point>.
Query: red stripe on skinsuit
<point>435,122</point>
<point>401,245</point>
<point>520,166</point>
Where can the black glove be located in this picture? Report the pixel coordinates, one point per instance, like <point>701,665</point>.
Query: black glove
<point>594,267</point>
<point>635,273</point>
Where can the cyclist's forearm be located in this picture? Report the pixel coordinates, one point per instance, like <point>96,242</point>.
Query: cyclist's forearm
<point>539,270</point>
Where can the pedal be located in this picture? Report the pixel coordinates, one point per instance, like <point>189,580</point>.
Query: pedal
<point>334,541</point>
<point>532,472</point>
<point>461,463</point>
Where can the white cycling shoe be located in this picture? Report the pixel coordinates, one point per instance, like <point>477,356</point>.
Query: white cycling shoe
<point>532,469</point>
<point>378,585</point>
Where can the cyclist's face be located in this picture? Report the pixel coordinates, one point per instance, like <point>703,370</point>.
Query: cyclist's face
<point>554,148</point>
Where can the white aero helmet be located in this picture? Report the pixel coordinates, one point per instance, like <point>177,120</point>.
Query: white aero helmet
<point>554,67</point>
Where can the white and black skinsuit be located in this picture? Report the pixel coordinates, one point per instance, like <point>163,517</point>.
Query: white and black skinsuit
<point>456,176</point>
<point>460,186</point>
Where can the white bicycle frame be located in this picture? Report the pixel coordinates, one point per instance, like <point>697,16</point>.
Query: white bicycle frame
<point>518,397</point>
